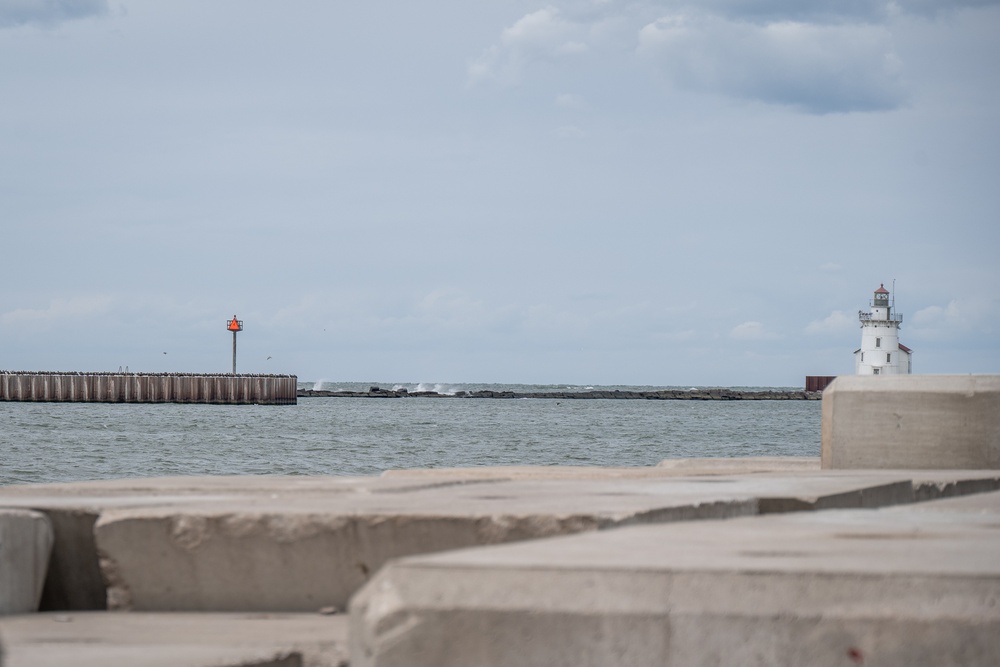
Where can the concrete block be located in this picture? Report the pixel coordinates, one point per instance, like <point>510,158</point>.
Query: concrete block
<point>25,546</point>
<point>912,422</point>
<point>896,587</point>
<point>299,544</point>
<point>665,468</point>
<point>102,639</point>
<point>304,555</point>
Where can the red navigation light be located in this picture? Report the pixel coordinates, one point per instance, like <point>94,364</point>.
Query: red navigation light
<point>235,324</point>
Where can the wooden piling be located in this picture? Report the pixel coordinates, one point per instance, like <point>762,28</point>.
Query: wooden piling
<point>148,388</point>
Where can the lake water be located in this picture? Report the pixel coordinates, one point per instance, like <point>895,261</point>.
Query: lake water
<point>52,442</point>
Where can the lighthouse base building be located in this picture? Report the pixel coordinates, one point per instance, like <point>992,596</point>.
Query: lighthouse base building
<point>881,353</point>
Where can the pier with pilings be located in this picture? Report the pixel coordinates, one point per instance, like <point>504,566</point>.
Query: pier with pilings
<point>124,387</point>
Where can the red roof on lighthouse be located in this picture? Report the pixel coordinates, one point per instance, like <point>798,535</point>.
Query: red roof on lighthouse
<point>881,289</point>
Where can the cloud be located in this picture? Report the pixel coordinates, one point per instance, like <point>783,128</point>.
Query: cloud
<point>811,67</point>
<point>67,312</point>
<point>835,323</point>
<point>934,321</point>
<point>934,7</point>
<point>960,318</point>
<point>541,35</point>
<point>48,12</point>
<point>570,132</point>
<point>823,11</point>
<point>751,331</point>
<point>570,101</point>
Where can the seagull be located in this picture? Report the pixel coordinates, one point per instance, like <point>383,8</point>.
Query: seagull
<point>164,353</point>
<point>269,357</point>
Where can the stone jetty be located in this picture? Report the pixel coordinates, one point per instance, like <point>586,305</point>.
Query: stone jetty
<point>715,394</point>
<point>764,561</point>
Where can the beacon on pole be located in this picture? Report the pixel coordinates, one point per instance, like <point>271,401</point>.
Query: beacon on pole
<point>235,326</point>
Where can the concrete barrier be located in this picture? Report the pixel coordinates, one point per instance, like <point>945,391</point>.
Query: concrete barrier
<point>912,422</point>
<point>103,639</point>
<point>302,543</point>
<point>25,545</point>
<point>302,554</point>
<point>899,587</point>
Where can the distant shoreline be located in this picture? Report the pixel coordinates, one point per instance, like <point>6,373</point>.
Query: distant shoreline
<point>656,395</point>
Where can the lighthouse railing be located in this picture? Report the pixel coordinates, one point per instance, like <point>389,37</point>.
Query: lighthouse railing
<point>867,317</point>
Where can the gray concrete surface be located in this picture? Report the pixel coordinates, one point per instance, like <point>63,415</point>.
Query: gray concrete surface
<point>912,421</point>
<point>25,547</point>
<point>301,553</point>
<point>108,639</point>
<point>911,585</point>
<point>665,468</point>
<point>297,544</point>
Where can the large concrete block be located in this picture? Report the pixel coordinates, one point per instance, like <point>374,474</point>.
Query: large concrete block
<point>299,544</point>
<point>912,422</point>
<point>898,587</point>
<point>102,639</point>
<point>307,554</point>
<point>25,546</point>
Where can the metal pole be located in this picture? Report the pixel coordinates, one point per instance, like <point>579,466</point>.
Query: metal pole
<point>234,353</point>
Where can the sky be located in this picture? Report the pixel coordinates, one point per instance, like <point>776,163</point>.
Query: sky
<point>646,192</point>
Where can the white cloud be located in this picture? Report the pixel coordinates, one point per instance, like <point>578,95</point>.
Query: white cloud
<point>541,35</point>
<point>811,67</point>
<point>751,330</point>
<point>570,132</point>
<point>835,323</point>
<point>67,312</point>
<point>824,11</point>
<point>955,315</point>
<point>961,318</point>
<point>48,12</point>
<point>570,101</point>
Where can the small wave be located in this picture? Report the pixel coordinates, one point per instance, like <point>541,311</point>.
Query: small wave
<point>438,388</point>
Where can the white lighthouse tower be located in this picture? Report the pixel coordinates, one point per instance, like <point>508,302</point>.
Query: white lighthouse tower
<point>881,353</point>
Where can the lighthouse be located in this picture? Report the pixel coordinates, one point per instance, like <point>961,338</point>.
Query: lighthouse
<point>881,353</point>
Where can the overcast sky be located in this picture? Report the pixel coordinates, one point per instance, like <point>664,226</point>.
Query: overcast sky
<point>649,192</point>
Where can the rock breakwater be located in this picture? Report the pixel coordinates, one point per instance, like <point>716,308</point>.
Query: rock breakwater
<point>659,395</point>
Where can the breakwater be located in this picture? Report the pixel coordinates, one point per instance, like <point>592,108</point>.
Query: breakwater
<point>126,387</point>
<point>720,394</point>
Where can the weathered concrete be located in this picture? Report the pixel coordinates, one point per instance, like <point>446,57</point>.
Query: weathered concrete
<point>912,421</point>
<point>913,585</point>
<point>300,543</point>
<point>303,553</point>
<point>106,639</point>
<point>25,546</point>
<point>665,468</point>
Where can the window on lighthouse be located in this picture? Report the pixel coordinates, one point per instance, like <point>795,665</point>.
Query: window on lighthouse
<point>878,342</point>
<point>888,357</point>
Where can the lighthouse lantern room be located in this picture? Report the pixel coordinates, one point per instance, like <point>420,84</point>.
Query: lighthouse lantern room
<point>881,353</point>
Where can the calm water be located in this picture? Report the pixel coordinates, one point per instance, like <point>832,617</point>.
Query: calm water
<point>47,442</point>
